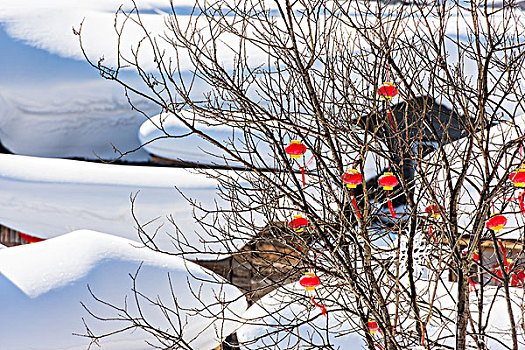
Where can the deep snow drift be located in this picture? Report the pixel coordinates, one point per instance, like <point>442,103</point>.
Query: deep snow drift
<point>42,285</point>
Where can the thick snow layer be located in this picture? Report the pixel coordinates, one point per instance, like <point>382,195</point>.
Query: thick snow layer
<point>43,284</point>
<point>182,146</point>
<point>280,316</point>
<point>50,197</point>
<point>499,137</point>
<point>61,121</point>
<point>153,134</point>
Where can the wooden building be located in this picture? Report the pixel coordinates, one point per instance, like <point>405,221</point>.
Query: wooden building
<point>10,237</point>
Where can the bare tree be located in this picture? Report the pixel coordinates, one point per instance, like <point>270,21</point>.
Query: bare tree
<point>427,91</point>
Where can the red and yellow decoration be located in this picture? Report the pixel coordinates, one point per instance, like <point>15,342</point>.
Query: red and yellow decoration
<point>373,328</point>
<point>387,91</point>
<point>298,223</point>
<point>295,149</point>
<point>517,177</point>
<point>433,211</point>
<point>352,178</point>
<point>496,222</point>
<point>310,281</point>
<point>388,181</point>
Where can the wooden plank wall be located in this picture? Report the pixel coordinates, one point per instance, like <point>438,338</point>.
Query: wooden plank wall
<point>10,237</point>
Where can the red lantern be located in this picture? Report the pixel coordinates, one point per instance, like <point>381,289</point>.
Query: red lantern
<point>295,149</point>
<point>388,181</point>
<point>309,281</point>
<point>298,223</point>
<point>352,178</point>
<point>387,91</point>
<point>496,222</point>
<point>30,239</point>
<point>433,210</point>
<point>517,277</point>
<point>517,177</point>
<point>373,327</point>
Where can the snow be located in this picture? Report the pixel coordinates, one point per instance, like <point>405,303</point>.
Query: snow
<point>194,148</point>
<point>58,121</point>
<point>50,197</point>
<point>153,134</point>
<point>282,314</point>
<point>278,318</point>
<point>43,284</point>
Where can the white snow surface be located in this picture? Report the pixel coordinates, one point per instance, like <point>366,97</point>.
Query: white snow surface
<point>153,134</point>
<point>43,284</point>
<point>277,318</point>
<point>193,147</point>
<point>280,315</point>
<point>56,120</point>
<point>50,197</point>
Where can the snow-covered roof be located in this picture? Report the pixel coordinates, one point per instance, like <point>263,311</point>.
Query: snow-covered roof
<point>155,131</point>
<point>49,197</point>
<point>43,284</point>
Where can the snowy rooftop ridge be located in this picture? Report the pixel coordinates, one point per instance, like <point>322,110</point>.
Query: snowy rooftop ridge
<point>51,278</point>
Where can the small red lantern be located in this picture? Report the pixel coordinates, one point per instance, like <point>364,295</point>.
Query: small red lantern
<point>387,91</point>
<point>388,181</point>
<point>496,222</point>
<point>298,223</point>
<point>433,210</point>
<point>295,149</point>
<point>352,178</point>
<point>30,239</point>
<point>517,177</point>
<point>309,281</point>
<point>373,327</point>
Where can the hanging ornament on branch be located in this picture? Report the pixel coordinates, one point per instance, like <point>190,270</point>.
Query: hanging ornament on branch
<point>373,328</point>
<point>517,177</point>
<point>310,281</point>
<point>388,181</point>
<point>296,150</point>
<point>298,223</point>
<point>387,91</point>
<point>433,211</point>
<point>352,178</point>
<point>496,222</point>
